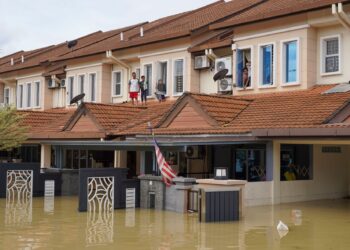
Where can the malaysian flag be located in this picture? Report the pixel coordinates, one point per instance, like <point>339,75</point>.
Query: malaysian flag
<point>166,171</point>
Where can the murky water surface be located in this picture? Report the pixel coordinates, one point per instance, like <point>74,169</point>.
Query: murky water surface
<point>56,224</point>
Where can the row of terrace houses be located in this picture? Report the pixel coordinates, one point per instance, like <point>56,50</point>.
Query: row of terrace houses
<point>279,119</point>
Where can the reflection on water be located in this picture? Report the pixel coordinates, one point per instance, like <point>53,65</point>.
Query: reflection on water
<point>49,204</point>
<point>19,197</point>
<point>99,227</point>
<point>325,225</point>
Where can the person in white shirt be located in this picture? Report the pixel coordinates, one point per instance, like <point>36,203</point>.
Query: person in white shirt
<point>134,89</point>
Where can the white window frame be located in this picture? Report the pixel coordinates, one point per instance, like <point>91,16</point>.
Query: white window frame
<point>89,92</point>
<point>80,91</point>
<point>273,85</point>
<point>252,65</point>
<point>323,55</point>
<point>69,88</point>
<point>9,97</point>
<point>121,83</point>
<point>35,94</point>
<point>184,76</point>
<point>150,84</point>
<point>19,99</point>
<point>168,78</point>
<point>283,62</point>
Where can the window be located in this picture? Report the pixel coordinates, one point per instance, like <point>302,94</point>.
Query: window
<point>138,73</point>
<point>330,54</point>
<point>117,83</point>
<point>250,164</point>
<point>92,87</point>
<point>29,95</point>
<point>296,162</point>
<point>179,76</point>
<point>267,64</point>
<point>37,94</point>
<point>162,77</point>
<point>81,84</point>
<point>20,96</point>
<point>70,88</point>
<point>148,77</point>
<point>7,96</point>
<point>290,66</point>
<point>244,68</point>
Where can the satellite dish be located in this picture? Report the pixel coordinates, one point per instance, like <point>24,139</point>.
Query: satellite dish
<point>77,98</point>
<point>72,43</point>
<point>220,75</point>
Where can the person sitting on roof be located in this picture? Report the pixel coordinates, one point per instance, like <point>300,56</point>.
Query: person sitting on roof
<point>160,91</point>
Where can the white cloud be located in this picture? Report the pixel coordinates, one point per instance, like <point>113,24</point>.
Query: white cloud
<point>26,25</point>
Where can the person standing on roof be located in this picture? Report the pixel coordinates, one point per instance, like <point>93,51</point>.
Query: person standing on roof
<point>144,90</point>
<point>134,88</point>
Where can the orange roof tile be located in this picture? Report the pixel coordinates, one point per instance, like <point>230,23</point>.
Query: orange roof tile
<point>274,8</point>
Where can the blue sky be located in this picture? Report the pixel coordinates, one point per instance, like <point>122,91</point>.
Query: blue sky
<point>30,24</point>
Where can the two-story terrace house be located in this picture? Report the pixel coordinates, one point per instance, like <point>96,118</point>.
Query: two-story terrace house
<point>281,108</point>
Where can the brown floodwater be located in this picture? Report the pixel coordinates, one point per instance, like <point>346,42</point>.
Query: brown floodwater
<point>56,224</point>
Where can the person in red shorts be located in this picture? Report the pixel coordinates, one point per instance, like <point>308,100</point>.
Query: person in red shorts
<point>134,88</point>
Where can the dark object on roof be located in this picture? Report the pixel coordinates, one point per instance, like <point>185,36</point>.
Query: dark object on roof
<point>72,43</point>
<point>220,75</point>
<point>77,98</point>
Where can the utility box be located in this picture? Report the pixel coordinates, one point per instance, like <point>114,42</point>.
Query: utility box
<point>218,204</point>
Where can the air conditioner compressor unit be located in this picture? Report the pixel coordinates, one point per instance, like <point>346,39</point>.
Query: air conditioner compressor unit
<point>201,62</point>
<point>224,63</point>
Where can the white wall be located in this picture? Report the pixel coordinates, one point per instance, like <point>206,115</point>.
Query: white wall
<point>258,193</point>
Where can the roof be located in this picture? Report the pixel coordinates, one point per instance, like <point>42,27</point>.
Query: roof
<point>231,115</point>
<point>171,27</point>
<point>241,115</point>
<point>274,8</point>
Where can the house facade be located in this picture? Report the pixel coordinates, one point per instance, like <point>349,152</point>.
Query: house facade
<point>279,119</point>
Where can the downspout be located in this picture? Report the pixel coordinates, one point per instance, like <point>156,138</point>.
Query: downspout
<point>338,12</point>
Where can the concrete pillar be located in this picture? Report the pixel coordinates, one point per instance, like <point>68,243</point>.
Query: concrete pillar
<point>276,163</point>
<point>45,156</point>
<point>120,158</point>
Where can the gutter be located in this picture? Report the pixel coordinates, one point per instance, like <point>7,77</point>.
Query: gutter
<point>338,12</point>
<point>302,132</point>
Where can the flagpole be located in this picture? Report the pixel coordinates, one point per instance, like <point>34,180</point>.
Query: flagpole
<point>153,136</point>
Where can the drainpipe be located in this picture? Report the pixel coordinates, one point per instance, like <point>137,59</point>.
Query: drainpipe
<point>338,12</point>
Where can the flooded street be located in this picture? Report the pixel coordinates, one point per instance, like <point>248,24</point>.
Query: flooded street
<point>56,224</point>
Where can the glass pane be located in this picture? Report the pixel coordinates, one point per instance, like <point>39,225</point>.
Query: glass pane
<point>291,61</point>
<point>332,64</point>
<point>148,76</point>
<point>267,65</point>
<point>163,77</point>
<point>179,76</point>
<point>29,95</point>
<point>241,164</point>
<point>81,83</point>
<point>21,96</point>
<point>71,88</point>
<point>37,94</point>
<point>332,46</point>
<point>93,87</point>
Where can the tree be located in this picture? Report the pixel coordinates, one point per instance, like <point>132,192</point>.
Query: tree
<point>12,131</point>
